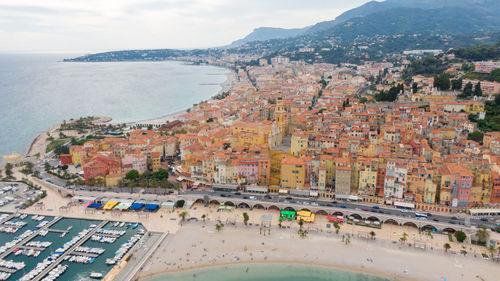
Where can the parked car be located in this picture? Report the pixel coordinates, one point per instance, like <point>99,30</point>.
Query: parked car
<point>376,207</point>
<point>343,207</point>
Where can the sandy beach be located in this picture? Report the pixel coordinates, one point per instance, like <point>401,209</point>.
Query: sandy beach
<point>199,245</point>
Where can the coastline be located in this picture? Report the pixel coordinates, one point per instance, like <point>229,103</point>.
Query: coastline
<point>196,246</point>
<point>226,85</point>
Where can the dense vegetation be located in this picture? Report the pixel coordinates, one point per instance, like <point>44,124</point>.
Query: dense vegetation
<point>479,53</point>
<point>426,66</point>
<point>492,120</point>
<point>390,95</point>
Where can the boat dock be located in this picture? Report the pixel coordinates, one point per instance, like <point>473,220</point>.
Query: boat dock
<point>68,252</point>
<point>7,218</point>
<point>29,237</point>
<point>108,235</point>
<point>8,270</point>
<point>90,255</point>
<point>31,248</point>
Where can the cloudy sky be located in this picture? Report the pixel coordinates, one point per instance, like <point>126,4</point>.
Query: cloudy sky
<point>83,26</point>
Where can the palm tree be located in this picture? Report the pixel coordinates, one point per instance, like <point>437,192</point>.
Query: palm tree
<point>372,234</point>
<point>245,218</point>
<point>301,223</point>
<point>219,227</point>
<point>279,223</point>
<point>482,234</point>
<point>336,226</point>
<point>183,215</point>
<point>492,250</point>
<point>404,238</point>
<point>203,217</point>
<point>446,246</point>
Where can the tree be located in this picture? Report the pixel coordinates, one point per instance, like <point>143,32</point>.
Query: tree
<point>301,223</point>
<point>245,218</point>
<point>442,81</point>
<point>8,170</point>
<point>467,90</point>
<point>456,84</point>
<point>132,175</point>
<point>183,215</point>
<point>477,90</point>
<point>446,246</point>
<point>302,233</point>
<point>336,225</point>
<point>404,238</point>
<point>219,227</point>
<point>372,234</point>
<point>476,136</point>
<point>492,250</point>
<point>161,174</point>
<point>482,234</point>
<point>461,236</point>
<point>414,87</point>
<point>363,100</point>
<point>203,217</point>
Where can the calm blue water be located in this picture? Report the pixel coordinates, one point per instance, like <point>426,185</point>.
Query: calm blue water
<point>39,91</point>
<point>266,273</point>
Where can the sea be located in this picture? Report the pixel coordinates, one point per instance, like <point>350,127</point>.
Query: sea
<point>38,91</point>
<point>266,272</point>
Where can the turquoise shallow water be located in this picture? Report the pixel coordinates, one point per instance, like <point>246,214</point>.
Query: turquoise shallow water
<point>39,91</point>
<point>263,272</point>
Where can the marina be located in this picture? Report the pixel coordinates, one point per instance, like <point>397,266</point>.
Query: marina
<point>57,248</point>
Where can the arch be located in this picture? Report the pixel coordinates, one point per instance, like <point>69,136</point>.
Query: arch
<point>391,221</point>
<point>372,218</point>
<point>229,203</point>
<point>449,230</point>
<point>258,206</point>
<point>289,209</point>
<point>214,202</point>
<point>429,227</point>
<point>356,216</point>
<point>199,201</point>
<point>411,224</point>
<point>321,212</point>
<point>243,205</point>
<point>337,213</point>
<point>274,207</point>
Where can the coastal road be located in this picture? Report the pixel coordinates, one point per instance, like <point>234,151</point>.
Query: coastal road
<point>141,253</point>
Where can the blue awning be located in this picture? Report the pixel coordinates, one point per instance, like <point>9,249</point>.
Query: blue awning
<point>151,207</point>
<point>94,205</point>
<point>136,206</point>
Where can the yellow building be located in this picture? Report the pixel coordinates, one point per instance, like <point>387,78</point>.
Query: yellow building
<point>305,216</point>
<point>322,178</point>
<point>280,117</point>
<point>430,192</point>
<point>299,142</point>
<point>367,180</point>
<point>326,161</point>
<point>293,173</point>
<point>155,161</point>
<point>257,133</point>
<point>474,107</point>
<point>77,154</point>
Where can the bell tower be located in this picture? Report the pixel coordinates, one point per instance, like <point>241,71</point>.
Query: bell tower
<point>280,117</point>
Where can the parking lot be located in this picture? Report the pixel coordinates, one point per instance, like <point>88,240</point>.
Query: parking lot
<point>13,194</point>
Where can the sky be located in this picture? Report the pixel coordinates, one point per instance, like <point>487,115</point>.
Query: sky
<point>87,26</point>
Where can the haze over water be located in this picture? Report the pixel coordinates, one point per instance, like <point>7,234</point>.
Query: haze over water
<point>40,91</point>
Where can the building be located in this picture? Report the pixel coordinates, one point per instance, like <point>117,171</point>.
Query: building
<point>293,173</point>
<point>343,180</point>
